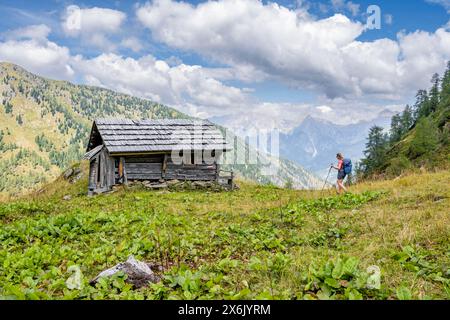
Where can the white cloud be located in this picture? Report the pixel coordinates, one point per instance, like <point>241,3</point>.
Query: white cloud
<point>254,42</point>
<point>30,48</point>
<point>93,25</point>
<point>248,34</point>
<point>324,109</point>
<point>37,32</point>
<point>182,85</point>
<point>191,89</point>
<point>132,43</point>
<point>276,42</point>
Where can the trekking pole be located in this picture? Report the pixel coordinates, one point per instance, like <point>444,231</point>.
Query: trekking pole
<point>326,178</point>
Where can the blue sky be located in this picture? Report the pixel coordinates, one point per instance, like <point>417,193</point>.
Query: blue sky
<point>241,60</point>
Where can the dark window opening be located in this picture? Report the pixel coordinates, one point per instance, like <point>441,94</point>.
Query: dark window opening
<point>98,169</point>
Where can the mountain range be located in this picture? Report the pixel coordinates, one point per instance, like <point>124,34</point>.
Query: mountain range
<point>45,124</point>
<point>314,143</point>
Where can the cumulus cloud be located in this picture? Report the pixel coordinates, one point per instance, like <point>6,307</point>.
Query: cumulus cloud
<point>93,25</point>
<point>37,32</point>
<point>189,88</point>
<point>30,48</point>
<point>323,55</point>
<point>253,42</point>
<point>154,79</point>
<point>132,43</point>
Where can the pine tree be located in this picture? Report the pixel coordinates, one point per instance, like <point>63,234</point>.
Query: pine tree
<point>375,151</point>
<point>396,130</point>
<point>407,119</point>
<point>421,104</point>
<point>434,94</point>
<point>400,124</point>
<point>446,82</point>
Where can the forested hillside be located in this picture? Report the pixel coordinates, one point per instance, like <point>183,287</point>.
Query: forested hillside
<point>45,124</point>
<point>419,137</point>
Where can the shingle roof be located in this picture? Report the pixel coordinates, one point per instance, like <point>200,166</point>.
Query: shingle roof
<point>129,136</point>
<point>93,152</point>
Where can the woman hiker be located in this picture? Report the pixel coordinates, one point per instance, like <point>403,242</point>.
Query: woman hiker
<point>341,173</point>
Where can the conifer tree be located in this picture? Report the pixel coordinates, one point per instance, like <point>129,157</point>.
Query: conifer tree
<point>407,119</point>
<point>375,151</point>
<point>434,94</point>
<point>445,85</point>
<point>396,130</point>
<point>421,104</point>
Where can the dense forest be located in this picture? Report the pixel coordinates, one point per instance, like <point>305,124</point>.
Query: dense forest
<point>419,137</point>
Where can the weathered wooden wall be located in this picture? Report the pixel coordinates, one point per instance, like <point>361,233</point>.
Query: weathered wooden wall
<point>144,167</point>
<point>105,171</point>
<point>190,171</point>
<point>155,167</point>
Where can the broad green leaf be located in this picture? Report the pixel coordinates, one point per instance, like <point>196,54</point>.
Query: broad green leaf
<point>350,265</point>
<point>338,270</point>
<point>355,295</point>
<point>323,295</point>
<point>403,293</point>
<point>333,283</point>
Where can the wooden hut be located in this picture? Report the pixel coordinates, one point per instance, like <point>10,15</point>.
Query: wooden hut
<point>122,150</point>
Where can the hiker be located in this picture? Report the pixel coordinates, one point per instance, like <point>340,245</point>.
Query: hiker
<point>344,168</point>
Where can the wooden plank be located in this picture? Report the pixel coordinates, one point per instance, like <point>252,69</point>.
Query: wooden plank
<point>106,171</point>
<point>101,170</point>
<point>125,178</point>
<point>193,173</point>
<point>191,167</point>
<point>92,175</point>
<point>144,172</point>
<point>143,176</point>
<point>121,167</point>
<point>148,166</point>
<point>190,178</point>
<point>157,159</point>
<point>164,166</point>
<point>112,179</point>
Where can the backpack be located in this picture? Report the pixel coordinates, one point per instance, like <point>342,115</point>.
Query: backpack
<point>347,166</point>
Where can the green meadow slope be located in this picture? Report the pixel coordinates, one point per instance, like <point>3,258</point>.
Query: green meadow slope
<point>254,243</point>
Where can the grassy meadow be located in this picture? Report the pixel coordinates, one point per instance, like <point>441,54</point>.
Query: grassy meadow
<point>384,240</point>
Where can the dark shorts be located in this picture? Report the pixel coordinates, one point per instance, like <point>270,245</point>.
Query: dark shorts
<point>341,175</point>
